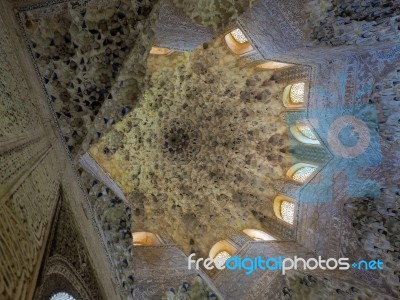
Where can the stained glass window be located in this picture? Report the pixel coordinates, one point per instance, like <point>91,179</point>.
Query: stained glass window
<point>303,173</point>
<point>62,296</point>
<point>239,36</point>
<point>221,258</point>
<point>296,93</point>
<point>287,211</point>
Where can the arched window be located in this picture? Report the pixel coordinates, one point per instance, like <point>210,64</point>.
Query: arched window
<point>303,173</point>
<point>300,172</point>
<point>284,209</point>
<point>294,95</point>
<point>222,256</point>
<point>303,133</point>
<point>62,296</point>
<point>287,211</point>
<point>145,239</point>
<point>258,235</point>
<point>273,65</point>
<point>238,42</point>
<point>306,131</point>
<point>160,51</point>
<point>239,36</point>
<point>221,251</point>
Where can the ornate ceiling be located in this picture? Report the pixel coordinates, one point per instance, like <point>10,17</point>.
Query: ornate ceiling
<point>201,144</point>
<point>201,151</point>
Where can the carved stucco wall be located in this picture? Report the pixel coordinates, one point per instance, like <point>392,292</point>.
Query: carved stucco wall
<point>29,183</point>
<point>311,32</point>
<point>195,289</point>
<point>377,226</point>
<point>374,220</point>
<point>342,22</point>
<point>369,78</point>
<point>159,268</point>
<point>216,14</point>
<point>33,162</point>
<point>328,285</point>
<point>343,79</point>
<point>275,29</point>
<point>175,30</point>
<point>261,284</point>
<point>357,76</point>
<point>25,224</point>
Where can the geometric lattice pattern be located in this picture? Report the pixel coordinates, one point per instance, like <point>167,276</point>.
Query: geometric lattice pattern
<point>306,131</point>
<point>239,36</point>
<point>296,94</point>
<point>287,211</point>
<point>303,173</point>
